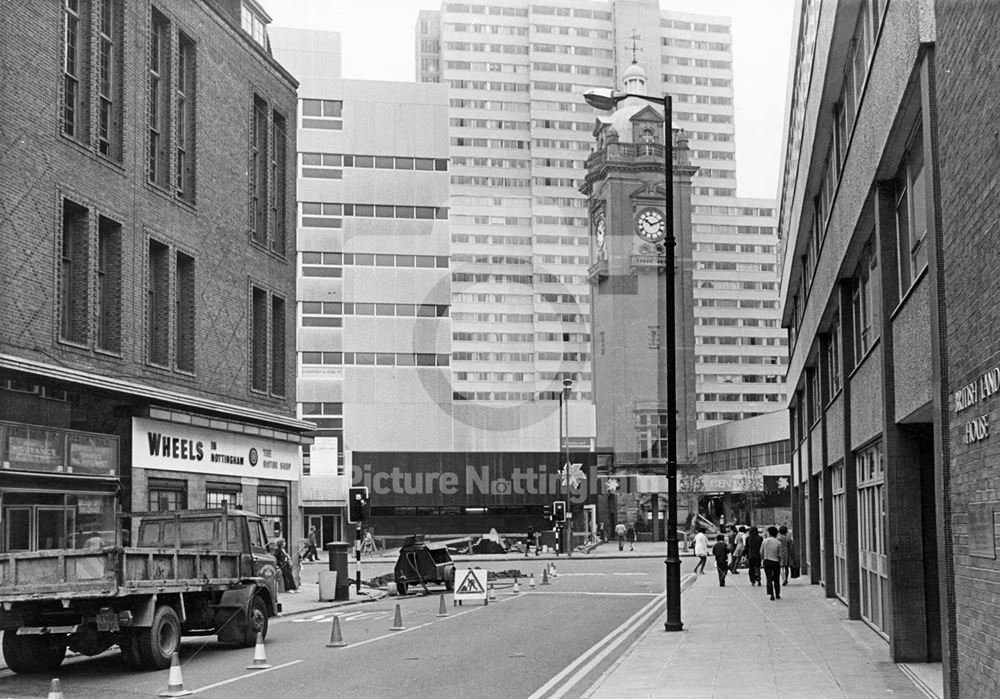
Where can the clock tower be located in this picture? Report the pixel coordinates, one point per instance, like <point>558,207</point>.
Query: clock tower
<point>626,187</point>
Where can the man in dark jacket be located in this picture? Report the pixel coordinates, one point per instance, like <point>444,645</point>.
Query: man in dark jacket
<point>721,553</point>
<point>752,550</point>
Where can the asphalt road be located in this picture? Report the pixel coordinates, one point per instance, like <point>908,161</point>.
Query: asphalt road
<point>551,641</point>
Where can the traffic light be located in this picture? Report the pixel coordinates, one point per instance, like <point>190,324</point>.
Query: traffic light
<point>358,504</point>
<point>559,511</point>
<point>547,511</point>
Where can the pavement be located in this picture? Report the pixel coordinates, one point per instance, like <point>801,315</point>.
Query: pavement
<point>735,640</point>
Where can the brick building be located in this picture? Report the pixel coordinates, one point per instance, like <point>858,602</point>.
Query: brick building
<point>147,281</point>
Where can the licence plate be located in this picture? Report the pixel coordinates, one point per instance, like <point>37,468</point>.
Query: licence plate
<point>107,621</point>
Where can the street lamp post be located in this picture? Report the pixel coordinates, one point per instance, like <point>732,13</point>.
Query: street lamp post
<point>564,446</point>
<point>607,99</point>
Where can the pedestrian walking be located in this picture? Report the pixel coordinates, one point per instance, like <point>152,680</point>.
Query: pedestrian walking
<point>752,552</point>
<point>770,553</point>
<point>789,559</point>
<point>284,564</point>
<point>738,552</point>
<point>700,550</point>
<point>620,533</point>
<point>311,540</point>
<point>630,535</point>
<point>721,553</point>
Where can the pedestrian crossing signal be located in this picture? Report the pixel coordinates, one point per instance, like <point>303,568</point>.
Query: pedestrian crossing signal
<point>559,511</point>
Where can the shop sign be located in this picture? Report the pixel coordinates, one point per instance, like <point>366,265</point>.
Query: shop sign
<point>984,387</point>
<point>168,446</point>
<point>43,450</point>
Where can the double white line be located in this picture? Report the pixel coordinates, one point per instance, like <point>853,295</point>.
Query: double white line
<point>590,659</point>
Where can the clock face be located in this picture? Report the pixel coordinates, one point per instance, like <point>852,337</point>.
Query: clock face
<point>649,225</point>
<point>599,227</point>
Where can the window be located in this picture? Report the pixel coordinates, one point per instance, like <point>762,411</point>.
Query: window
<point>268,342</point>
<point>159,113</point>
<point>167,495</point>
<point>272,509</point>
<point>219,495</point>
<point>277,346</point>
<point>76,23</point>
<point>185,100</point>
<point>863,305</point>
<point>278,184</point>
<point>110,79</point>
<point>833,356</point>
<point>157,304</point>
<point>109,284</point>
<point>253,24</point>
<point>184,313</point>
<point>74,282</point>
<point>322,114</point>
<point>911,212</point>
<point>258,171</point>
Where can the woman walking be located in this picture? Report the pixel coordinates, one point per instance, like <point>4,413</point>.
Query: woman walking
<point>701,551</point>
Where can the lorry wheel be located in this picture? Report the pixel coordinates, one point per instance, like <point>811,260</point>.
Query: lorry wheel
<point>161,640</point>
<point>256,621</point>
<point>33,654</point>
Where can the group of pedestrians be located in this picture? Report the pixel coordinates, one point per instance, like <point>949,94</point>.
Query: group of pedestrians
<point>775,553</point>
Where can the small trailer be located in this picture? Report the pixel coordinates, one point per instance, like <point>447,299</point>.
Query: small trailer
<point>422,563</point>
<point>195,572</point>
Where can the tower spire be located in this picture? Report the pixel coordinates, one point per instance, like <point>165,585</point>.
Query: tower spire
<point>634,37</point>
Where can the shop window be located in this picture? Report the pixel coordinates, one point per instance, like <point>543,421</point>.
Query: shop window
<point>273,509</point>
<point>167,495</point>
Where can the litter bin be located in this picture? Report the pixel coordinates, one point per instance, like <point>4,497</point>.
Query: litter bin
<point>338,563</point>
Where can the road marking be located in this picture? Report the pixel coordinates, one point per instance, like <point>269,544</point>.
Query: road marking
<point>612,640</point>
<point>256,673</point>
<point>596,594</point>
<point>353,616</point>
<point>392,633</point>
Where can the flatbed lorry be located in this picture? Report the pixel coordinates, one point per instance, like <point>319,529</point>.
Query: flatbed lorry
<point>194,572</point>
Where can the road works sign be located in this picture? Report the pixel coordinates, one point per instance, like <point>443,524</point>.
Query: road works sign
<point>470,584</point>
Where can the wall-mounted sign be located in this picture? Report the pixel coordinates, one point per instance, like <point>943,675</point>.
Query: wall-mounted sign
<point>985,386</point>
<point>168,446</point>
<point>44,450</point>
<point>982,530</point>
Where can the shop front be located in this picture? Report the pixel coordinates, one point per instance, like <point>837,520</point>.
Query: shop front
<point>57,488</point>
<point>210,463</point>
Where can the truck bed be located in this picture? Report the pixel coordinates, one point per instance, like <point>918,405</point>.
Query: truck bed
<point>111,572</point>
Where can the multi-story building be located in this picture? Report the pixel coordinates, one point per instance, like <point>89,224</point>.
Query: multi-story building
<point>519,134</point>
<point>148,273</point>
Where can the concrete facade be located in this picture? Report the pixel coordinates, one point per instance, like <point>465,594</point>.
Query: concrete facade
<point>863,294</point>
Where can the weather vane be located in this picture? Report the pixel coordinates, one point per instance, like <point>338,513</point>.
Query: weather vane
<point>635,36</point>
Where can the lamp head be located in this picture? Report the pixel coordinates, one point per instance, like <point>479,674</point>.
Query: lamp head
<point>567,384</point>
<point>602,97</point>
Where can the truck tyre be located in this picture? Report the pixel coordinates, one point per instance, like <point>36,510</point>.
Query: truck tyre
<point>33,654</point>
<point>159,642</point>
<point>256,621</point>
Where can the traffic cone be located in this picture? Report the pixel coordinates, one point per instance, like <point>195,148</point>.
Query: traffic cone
<point>554,573</point>
<point>442,609</point>
<point>531,581</point>
<point>545,575</point>
<point>517,588</point>
<point>55,691</point>
<point>397,624</point>
<point>259,657</point>
<point>175,682</point>
<point>492,596</point>
<point>336,640</point>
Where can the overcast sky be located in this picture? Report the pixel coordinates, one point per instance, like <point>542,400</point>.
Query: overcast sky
<point>377,44</point>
